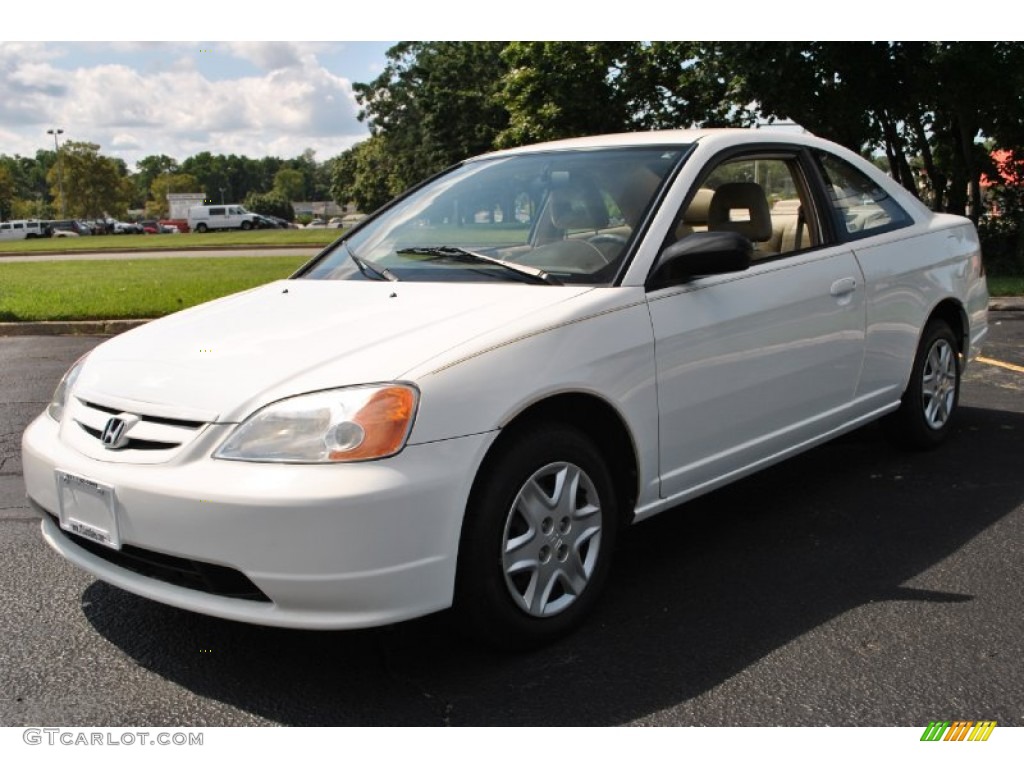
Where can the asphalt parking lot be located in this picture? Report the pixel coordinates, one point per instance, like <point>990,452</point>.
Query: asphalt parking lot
<point>854,585</point>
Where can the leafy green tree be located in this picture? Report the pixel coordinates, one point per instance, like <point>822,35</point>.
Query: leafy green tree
<point>270,204</point>
<point>366,175</point>
<point>8,192</point>
<point>922,103</point>
<point>434,104</point>
<point>227,177</point>
<point>147,170</point>
<point>93,185</point>
<point>290,184</point>
<point>158,207</point>
<point>554,90</point>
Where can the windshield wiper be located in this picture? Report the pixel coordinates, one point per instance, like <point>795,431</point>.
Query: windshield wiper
<point>461,254</point>
<point>370,271</point>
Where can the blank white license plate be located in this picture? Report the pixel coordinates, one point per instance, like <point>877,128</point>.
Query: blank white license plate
<point>88,509</point>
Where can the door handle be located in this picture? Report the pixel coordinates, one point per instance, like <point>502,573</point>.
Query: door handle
<point>844,286</point>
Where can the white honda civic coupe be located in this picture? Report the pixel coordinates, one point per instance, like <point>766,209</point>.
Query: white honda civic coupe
<point>464,399</point>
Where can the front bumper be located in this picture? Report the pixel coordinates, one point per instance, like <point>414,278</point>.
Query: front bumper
<point>331,547</point>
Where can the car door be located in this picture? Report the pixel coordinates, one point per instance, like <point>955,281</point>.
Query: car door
<point>753,365</point>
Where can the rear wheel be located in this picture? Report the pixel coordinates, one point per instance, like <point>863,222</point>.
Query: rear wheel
<point>932,395</point>
<point>537,540</point>
<point>200,227</point>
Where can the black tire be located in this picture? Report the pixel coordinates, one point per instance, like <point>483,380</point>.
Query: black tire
<point>930,400</point>
<point>246,225</point>
<point>510,553</point>
<point>200,227</point>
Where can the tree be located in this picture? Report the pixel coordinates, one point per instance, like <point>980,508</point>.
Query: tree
<point>93,185</point>
<point>434,104</point>
<point>8,192</point>
<point>227,177</point>
<point>556,89</point>
<point>148,169</point>
<point>290,184</point>
<point>270,204</point>
<point>158,207</point>
<point>1003,232</point>
<point>919,102</point>
<point>366,175</point>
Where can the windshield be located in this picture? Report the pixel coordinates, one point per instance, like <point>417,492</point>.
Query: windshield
<point>568,215</point>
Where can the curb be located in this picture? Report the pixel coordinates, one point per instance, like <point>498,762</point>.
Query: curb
<point>1006,304</point>
<point>70,328</point>
<point>114,327</point>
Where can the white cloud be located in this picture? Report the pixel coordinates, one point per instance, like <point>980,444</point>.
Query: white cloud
<point>271,56</point>
<point>294,102</point>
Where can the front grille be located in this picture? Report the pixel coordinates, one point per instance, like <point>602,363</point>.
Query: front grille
<point>150,439</point>
<point>152,419</point>
<point>179,571</point>
<point>133,443</point>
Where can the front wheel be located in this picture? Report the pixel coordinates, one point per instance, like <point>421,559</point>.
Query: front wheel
<point>537,540</point>
<point>931,397</point>
<point>246,225</point>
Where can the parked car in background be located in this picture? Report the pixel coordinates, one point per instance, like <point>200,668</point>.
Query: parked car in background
<point>269,222</point>
<point>154,227</point>
<point>23,229</point>
<point>127,228</point>
<point>69,225</point>
<point>208,217</point>
<point>335,222</point>
<point>181,225</point>
<point>462,401</point>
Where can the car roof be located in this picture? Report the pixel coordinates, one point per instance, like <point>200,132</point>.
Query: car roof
<point>673,137</point>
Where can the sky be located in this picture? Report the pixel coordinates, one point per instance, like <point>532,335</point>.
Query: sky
<point>250,97</point>
<point>181,98</point>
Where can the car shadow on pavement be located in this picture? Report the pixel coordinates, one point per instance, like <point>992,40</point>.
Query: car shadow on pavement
<point>697,595</point>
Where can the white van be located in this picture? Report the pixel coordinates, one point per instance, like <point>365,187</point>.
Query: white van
<point>205,217</point>
<point>22,229</point>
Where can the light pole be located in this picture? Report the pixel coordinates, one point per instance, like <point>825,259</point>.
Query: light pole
<point>222,195</point>
<point>55,132</point>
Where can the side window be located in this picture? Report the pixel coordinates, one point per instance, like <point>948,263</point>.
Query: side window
<point>216,211</point>
<point>762,198</point>
<point>860,207</point>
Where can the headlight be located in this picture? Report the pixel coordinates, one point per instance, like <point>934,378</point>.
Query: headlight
<point>60,395</point>
<point>352,424</point>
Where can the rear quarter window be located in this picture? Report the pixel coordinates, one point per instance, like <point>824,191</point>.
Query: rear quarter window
<point>860,207</point>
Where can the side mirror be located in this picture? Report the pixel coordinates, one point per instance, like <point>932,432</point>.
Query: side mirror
<point>699,255</point>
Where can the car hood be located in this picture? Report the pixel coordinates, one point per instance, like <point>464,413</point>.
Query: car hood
<point>219,361</point>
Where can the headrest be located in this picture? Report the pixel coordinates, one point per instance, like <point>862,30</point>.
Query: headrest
<point>741,207</point>
<point>578,208</point>
<point>697,211</point>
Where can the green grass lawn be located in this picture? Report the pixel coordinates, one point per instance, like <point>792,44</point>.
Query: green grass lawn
<point>1006,286</point>
<point>228,238</point>
<point>107,290</point>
